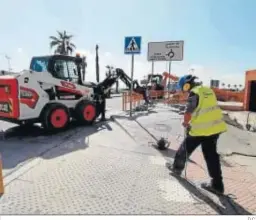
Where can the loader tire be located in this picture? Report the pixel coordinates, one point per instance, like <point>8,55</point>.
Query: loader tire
<point>86,112</point>
<point>55,117</point>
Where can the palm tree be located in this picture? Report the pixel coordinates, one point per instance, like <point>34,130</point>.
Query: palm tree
<point>223,85</point>
<point>62,43</point>
<point>228,86</point>
<point>235,86</point>
<point>240,86</point>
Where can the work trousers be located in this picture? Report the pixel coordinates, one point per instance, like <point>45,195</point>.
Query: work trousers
<point>145,96</point>
<point>209,149</point>
<point>102,108</point>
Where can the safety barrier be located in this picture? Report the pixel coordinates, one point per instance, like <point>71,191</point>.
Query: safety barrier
<point>177,98</point>
<point>135,98</point>
<point>165,97</point>
<point>226,95</point>
<point>1,177</point>
<point>155,95</point>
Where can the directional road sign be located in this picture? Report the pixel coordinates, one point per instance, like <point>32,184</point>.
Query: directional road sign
<point>165,51</point>
<point>132,45</point>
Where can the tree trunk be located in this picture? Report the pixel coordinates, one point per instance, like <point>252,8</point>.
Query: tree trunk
<point>117,86</point>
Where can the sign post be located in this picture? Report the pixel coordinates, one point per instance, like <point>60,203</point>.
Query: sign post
<point>132,45</point>
<point>153,67</point>
<point>169,80</point>
<point>166,51</point>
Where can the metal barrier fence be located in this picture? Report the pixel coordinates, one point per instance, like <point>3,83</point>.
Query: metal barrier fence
<point>137,100</point>
<point>164,97</point>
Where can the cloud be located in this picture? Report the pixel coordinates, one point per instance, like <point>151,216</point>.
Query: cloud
<point>20,50</point>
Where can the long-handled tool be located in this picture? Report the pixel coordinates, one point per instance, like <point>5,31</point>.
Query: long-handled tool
<point>185,146</point>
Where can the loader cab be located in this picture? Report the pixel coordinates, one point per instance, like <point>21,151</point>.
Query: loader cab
<point>62,67</point>
<point>155,78</point>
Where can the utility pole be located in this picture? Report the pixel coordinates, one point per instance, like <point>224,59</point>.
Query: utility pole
<point>8,61</point>
<point>97,64</point>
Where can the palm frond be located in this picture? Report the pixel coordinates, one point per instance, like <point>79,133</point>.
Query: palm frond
<point>54,43</point>
<point>72,45</point>
<point>69,36</point>
<point>62,43</point>
<point>54,38</point>
<point>61,35</point>
<point>69,49</point>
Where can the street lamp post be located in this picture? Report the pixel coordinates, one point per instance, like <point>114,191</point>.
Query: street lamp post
<point>8,60</point>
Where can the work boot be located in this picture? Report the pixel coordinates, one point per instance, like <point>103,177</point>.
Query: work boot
<point>213,187</point>
<point>103,119</point>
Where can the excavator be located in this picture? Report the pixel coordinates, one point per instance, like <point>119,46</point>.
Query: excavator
<point>158,84</point>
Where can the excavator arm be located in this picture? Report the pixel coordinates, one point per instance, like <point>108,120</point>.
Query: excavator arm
<point>103,87</point>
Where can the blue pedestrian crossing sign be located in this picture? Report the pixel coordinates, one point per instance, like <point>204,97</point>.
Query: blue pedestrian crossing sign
<point>132,45</point>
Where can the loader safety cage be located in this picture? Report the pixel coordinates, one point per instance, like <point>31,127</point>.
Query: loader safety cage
<point>63,67</point>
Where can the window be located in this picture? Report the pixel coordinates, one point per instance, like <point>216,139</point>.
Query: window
<point>66,70</point>
<point>39,64</point>
<point>72,70</point>
<point>60,69</point>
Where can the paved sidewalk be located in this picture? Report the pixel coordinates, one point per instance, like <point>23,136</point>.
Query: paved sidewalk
<point>233,142</point>
<point>238,181</point>
<point>105,172</point>
<point>240,119</point>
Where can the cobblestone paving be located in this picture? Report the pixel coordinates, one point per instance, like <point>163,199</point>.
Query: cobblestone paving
<point>105,172</point>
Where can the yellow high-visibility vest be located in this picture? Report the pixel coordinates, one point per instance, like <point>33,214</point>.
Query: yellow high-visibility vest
<point>207,118</point>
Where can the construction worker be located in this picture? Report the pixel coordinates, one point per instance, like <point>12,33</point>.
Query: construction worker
<point>203,123</point>
<point>103,108</point>
<point>102,102</point>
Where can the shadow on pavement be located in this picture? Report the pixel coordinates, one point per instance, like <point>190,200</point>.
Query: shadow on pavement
<point>23,145</point>
<point>224,162</point>
<point>170,153</point>
<point>228,205</point>
<point>135,115</point>
<point>166,153</point>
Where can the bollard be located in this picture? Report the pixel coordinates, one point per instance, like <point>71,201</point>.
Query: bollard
<point>1,177</point>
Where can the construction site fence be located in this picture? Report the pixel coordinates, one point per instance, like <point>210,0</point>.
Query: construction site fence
<point>231,96</point>
<point>166,97</point>
<point>155,96</point>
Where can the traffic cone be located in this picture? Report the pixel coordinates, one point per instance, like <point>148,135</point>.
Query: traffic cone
<point>1,177</point>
